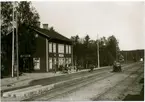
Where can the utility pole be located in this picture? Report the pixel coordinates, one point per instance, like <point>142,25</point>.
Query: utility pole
<point>17,45</point>
<point>13,56</point>
<point>0,39</point>
<point>126,57</point>
<point>72,59</point>
<point>116,53</point>
<point>98,51</point>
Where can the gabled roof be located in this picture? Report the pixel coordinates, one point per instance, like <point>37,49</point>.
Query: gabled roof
<point>51,34</point>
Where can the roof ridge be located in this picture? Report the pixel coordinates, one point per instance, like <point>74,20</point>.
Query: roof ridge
<point>53,34</point>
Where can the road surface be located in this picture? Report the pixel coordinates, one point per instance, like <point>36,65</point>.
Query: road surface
<point>103,85</point>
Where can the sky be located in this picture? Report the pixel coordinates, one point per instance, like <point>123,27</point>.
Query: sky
<point>124,20</point>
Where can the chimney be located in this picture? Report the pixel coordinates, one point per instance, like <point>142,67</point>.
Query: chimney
<point>45,26</point>
<point>38,24</point>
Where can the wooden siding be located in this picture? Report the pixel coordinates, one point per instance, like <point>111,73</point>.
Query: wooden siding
<point>41,52</point>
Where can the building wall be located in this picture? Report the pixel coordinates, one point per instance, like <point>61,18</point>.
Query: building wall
<point>57,54</point>
<point>61,56</point>
<point>41,52</point>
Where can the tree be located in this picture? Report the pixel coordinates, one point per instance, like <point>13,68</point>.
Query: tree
<point>75,48</point>
<point>86,50</point>
<point>87,38</point>
<point>6,17</point>
<point>103,51</point>
<point>27,16</point>
<point>112,47</point>
<point>6,27</point>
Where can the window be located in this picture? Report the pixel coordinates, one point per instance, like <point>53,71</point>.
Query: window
<point>54,60</point>
<point>66,49</point>
<point>66,61</point>
<point>60,48</point>
<point>61,61</point>
<point>54,47</point>
<point>69,49</point>
<point>50,63</point>
<point>50,47</point>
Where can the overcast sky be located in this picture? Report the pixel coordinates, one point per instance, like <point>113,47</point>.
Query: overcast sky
<point>122,19</point>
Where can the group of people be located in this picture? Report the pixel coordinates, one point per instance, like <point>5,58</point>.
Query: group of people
<point>67,68</point>
<point>64,68</point>
<point>79,67</point>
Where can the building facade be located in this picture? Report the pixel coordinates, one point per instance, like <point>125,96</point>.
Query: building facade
<point>52,50</point>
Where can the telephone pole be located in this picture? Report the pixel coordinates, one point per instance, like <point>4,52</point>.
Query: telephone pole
<point>15,26</point>
<point>0,40</point>
<point>17,45</point>
<point>126,57</point>
<point>13,34</point>
<point>98,51</point>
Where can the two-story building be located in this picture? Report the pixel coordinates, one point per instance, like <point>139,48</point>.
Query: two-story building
<point>51,48</point>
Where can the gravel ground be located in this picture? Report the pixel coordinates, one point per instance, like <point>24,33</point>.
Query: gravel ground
<point>119,92</point>
<point>95,90</point>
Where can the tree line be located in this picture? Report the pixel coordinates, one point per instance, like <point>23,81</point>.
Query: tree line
<point>85,50</point>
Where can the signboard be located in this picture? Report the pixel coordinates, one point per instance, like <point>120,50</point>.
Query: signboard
<point>36,63</point>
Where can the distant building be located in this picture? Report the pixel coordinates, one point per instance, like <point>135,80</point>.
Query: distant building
<point>133,55</point>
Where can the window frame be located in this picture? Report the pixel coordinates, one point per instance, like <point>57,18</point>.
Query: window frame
<point>50,43</point>
<point>59,48</point>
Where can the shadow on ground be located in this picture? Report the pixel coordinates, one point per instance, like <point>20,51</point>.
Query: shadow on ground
<point>139,97</point>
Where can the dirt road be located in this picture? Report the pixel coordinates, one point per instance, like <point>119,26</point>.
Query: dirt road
<point>105,86</point>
